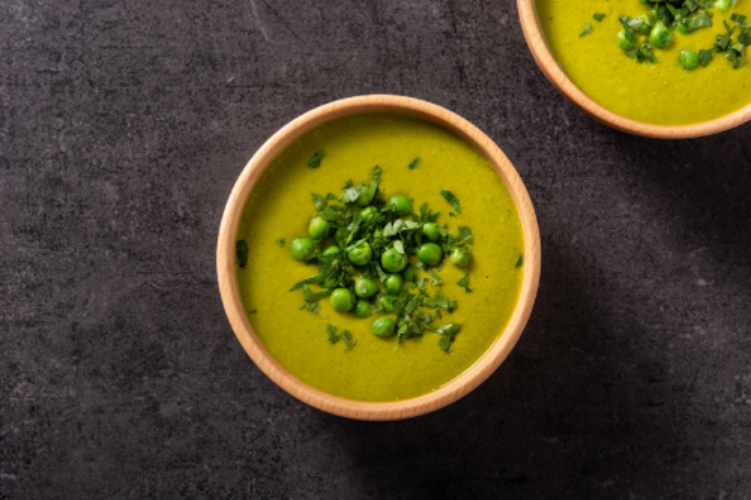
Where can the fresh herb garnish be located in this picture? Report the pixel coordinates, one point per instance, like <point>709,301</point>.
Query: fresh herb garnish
<point>587,30</point>
<point>241,253</point>
<point>466,234</point>
<point>464,282</point>
<point>451,199</point>
<point>281,242</point>
<point>705,56</point>
<point>414,163</point>
<point>313,307</point>
<point>254,311</point>
<point>333,336</point>
<point>449,334</point>
<point>362,216</point>
<point>315,160</point>
<point>519,262</point>
<point>643,53</point>
<point>347,338</point>
<point>599,17</point>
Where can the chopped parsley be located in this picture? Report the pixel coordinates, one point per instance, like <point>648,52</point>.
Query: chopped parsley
<point>519,262</point>
<point>599,17</point>
<point>241,253</point>
<point>414,163</point>
<point>315,160</point>
<point>451,199</point>
<point>281,242</point>
<point>362,215</point>
<point>464,282</point>
<point>705,56</point>
<point>587,30</point>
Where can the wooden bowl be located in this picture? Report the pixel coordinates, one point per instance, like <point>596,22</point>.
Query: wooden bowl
<point>244,329</point>
<point>562,83</point>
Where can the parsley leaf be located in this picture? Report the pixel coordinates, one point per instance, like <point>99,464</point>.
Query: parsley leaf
<point>414,163</point>
<point>333,336</point>
<point>319,201</point>
<point>587,30</point>
<point>315,160</point>
<point>705,56</point>
<point>281,242</point>
<point>466,234</point>
<point>310,296</point>
<point>347,337</point>
<point>464,282</point>
<point>313,307</point>
<point>241,253</point>
<point>599,17</point>
<point>519,262</point>
<point>451,199</point>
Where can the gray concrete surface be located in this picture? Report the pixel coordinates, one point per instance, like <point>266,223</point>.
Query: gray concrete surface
<point>123,126</point>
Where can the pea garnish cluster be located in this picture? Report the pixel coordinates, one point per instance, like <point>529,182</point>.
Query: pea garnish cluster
<point>642,34</point>
<point>363,242</point>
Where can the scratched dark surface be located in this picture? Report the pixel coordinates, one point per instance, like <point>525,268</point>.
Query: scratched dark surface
<point>123,126</point>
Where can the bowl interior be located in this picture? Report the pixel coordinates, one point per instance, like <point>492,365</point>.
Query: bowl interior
<point>244,329</point>
<point>555,75</point>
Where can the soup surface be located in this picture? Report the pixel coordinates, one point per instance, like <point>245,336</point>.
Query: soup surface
<point>280,207</point>
<point>661,93</point>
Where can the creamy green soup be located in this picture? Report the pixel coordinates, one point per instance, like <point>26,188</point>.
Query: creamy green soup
<point>662,93</point>
<point>280,207</point>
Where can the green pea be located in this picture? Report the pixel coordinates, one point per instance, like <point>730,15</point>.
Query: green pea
<point>410,274</point>
<point>319,228</point>
<point>400,205</point>
<point>364,199</point>
<point>342,300</point>
<point>646,26</point>
<point>366,287</point>
<point>430,254</point>
<point>688,59</point>
<point>626,39</point>
<point>369,215</point>
<point>431,231</point>
<point>392,261</point>
<point>660,36</point>
<point>362,309</point>
<point>393,283</point>
<point>388,303</point>
<point>302,249</point>
<point>460,256</point>
<point>723,5</point>
<point>361,254</point>
<point>384,327</point>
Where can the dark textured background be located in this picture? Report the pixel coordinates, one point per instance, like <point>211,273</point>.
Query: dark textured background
<point>123,126</point>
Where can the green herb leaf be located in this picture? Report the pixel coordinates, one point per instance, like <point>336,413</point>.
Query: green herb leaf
<point>414,163</point>
<point>705,56</point>
<point>313,307</point>
<point>464,282</point>
<point>451,199</point>
<point>319,201</point>
<point>254,311</point>
<point>452,214</point>
<point>519,262</point>
<point>436,281</point>
<point>318,278</point>
<point>347,337</point>
<point>599,17</point>
<point>241,253</point>
<point>310,296</point>
<point>315,160</point>
<point>333,336</point>
<point>587,30</point>
<point>466,234</point>
<point>280,242</point>
<point>445,344</point>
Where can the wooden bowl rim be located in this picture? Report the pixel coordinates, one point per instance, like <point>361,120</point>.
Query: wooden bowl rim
<point>558,78</point>
<point>453,390</point>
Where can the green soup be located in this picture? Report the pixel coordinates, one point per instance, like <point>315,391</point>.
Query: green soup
<point>661,93</point>
<point>280,207</point>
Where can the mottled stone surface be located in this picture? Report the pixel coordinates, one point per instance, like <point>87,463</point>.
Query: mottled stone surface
<point>123,126</point>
